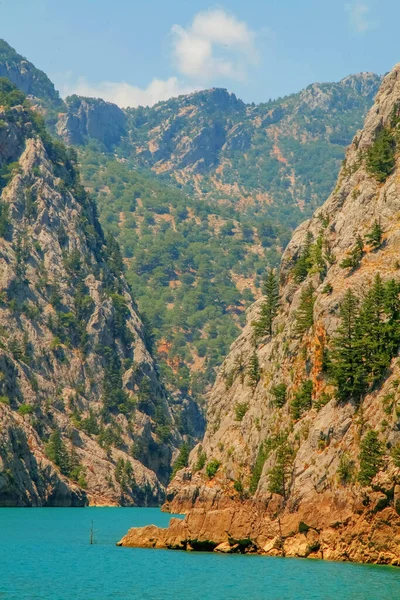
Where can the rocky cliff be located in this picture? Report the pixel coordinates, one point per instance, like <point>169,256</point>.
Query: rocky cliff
<point>301,453</point>
<point>83,414</point>
<point>30,80</point>
<point>91,118</point>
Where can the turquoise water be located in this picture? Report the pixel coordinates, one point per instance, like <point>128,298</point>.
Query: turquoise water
<point>45,554</point>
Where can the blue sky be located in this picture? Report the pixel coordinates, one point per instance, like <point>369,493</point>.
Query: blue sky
<point>137,53</point>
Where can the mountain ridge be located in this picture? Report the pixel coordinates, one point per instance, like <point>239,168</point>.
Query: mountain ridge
<point>300,455</point>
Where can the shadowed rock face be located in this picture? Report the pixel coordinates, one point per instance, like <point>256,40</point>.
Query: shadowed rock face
<point>316,512</point>
<point>28,78</point>
<point>73,353</point>
<point>91,118</point>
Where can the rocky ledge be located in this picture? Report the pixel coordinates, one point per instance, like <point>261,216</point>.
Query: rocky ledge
<point>347,532</point>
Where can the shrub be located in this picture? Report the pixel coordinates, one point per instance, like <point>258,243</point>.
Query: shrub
<point>5,400</point>
<point>302,400</point>
<point>212,468</point>
<point>182,460</point>
<point>279,393</point>
<point>26,409</point>
<point>370,457</point>
<point>238,487</point>
<point>201,460</point>
<point>241,409</point>
<point>346,469</point>
<point>380,160</point>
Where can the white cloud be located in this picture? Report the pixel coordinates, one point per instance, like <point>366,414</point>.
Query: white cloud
<point>359,16</point>
<point>216,44</point>
<point>124,94</point>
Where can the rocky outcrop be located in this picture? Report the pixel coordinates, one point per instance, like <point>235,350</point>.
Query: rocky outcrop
<point>287,479</point>
<point>83,413</point>
<point>91,118</point>
<point>30,80</point>
<point>27,477</point>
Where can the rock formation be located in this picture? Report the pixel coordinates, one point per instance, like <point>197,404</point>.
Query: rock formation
<point>301,453</point>
<point>83,413</point>
<point>91,118</point>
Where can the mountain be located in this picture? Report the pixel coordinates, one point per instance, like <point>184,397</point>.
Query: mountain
<point>301,453</point>
<point>284,153</point>
<point>202,192</point>
<point>30,80</point>
<point>84,415</point>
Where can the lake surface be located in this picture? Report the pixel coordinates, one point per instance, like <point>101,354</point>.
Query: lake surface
<point>45,555</point>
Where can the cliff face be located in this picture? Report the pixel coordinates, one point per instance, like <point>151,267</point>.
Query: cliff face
<point>30,80</point>
<point>284,152</point>
<point>83,413</point>
<point>91,118</point>
<point>295,460</point>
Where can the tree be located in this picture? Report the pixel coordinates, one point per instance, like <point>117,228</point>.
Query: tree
<point>302,401</point>
<point>269,308</point>
<point>381,160</point>
<point>281,472</point>
<point>370,457</point>
<point>303,263</point>
<point>347,363</point>
<point>253,370</point>
<point>279,393</point>
<point>375,335</point>
<point>182,460</point>
<point>374,237</point>
<point>57,452</point>
<point>212,468</point>
<point>353,260</point>
<point>305,312</point>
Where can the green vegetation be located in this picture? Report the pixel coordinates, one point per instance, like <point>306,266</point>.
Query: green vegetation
<point>188,235</point>
<point>355,256</point>
<point>66,461</point>
<point>279,393</point>
<point>241,409</point>
<point>370,457</point>
<point>266,447</point>
<point>253,370</point>
<point>201,460</point>
<point>212,468</point>
<point>381,159</point>
<point>124,474</point>
<point>305,312</point>
<point>182,460</point>
<point>346,469</point>
<point>366,339</point>
<point>281,472</point>
<point>26,409</point>
<point>269,308</point>
<point>302,401</point>
<point>374,237</point>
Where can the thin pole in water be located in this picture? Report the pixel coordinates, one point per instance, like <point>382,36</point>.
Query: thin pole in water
<point>91,533</point>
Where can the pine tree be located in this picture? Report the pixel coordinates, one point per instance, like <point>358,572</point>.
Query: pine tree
<point>370,457</point>
<point>57,452</point>
<point>374,237</point>
<point>182,460</point>
<point>269,308</point>
<point>253,371</point>
<point>347,363</point>
<point>375,342</point>
<point>303,263</point>
<point>353,260</point>
<point>280,474</point>
<point>381,160</point>
<point>305,312</point>
<point>302,401</point>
